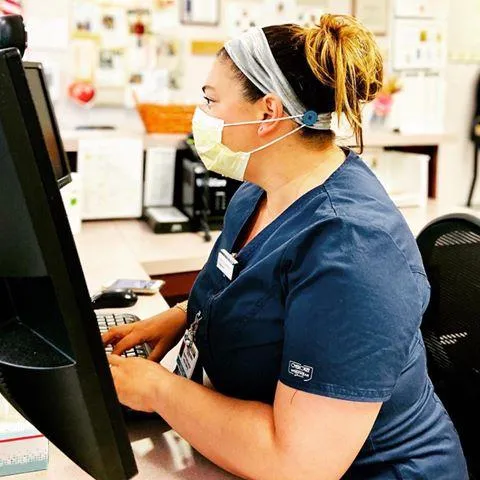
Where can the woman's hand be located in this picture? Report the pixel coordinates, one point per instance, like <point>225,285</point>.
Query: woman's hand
<point>135,379</point>
<point>161,332</point>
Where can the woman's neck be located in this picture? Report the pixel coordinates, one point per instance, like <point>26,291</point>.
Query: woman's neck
<point>290,170</point>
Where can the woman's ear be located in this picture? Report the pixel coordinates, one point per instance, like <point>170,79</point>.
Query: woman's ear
<point>272,108</point>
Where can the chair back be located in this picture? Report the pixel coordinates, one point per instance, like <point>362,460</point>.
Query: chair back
<point>450,248</point>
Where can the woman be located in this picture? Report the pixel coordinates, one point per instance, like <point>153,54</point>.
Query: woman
<point>306,316</point>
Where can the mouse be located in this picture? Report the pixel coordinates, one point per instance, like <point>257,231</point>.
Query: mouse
<point>117,298</point>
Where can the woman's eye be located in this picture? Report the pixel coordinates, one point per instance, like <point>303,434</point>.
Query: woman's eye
<point>208,100</point>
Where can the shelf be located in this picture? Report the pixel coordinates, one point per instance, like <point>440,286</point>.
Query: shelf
<point>371,139</point>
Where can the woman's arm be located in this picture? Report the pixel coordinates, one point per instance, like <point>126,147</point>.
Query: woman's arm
<point>303,436</point>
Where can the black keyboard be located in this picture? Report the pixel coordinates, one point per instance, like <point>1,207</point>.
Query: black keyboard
<point>109,320</point>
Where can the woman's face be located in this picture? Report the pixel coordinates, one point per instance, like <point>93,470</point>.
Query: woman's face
<point>224,99</point>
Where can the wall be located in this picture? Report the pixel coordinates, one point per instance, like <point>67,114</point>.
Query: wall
<point>456,161</point>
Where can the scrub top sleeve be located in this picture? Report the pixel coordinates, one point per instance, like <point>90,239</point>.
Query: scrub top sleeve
<point>353,309</point>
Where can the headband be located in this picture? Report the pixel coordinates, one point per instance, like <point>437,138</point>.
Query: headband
<point>252,55</point>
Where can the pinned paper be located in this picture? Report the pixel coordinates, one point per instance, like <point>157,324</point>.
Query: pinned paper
<point>112,173</point>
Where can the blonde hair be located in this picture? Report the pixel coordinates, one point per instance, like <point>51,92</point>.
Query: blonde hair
<point>343,54</point>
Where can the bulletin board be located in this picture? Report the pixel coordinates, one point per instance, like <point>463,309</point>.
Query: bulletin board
<point>122,50</point>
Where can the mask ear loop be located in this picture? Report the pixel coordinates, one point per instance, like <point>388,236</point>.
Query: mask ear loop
<point>309,119</point>
<point>270,120</point>
<point>277,139</point>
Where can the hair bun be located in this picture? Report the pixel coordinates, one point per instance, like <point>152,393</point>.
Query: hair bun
<point>332,24</point>
<point>342,54</point>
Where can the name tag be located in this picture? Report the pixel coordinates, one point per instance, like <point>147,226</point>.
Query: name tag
<point>226,263</point>
<point>186,360</point>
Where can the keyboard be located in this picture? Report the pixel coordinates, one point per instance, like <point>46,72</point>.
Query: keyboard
<point>109,320</point>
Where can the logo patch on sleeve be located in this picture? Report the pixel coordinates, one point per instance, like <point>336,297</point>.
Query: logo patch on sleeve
<point>296,369</point>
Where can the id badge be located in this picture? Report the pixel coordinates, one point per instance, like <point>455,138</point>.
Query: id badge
<point>186,360</point>
<point>227,264</point>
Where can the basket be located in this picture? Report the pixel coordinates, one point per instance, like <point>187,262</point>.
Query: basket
<point>166,118</point>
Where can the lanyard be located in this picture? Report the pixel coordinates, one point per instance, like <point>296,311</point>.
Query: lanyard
<point>192,331</point>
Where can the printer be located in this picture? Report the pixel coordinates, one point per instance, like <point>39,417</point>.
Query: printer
<point>201,195</point>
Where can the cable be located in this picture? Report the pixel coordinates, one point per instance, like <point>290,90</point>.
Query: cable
<point>205,210</point>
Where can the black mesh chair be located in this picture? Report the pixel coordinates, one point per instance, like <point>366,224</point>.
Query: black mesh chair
<point>450,248</point>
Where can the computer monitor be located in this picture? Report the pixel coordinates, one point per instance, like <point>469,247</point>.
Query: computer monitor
<point>48,122</point>
<point>53,367</point>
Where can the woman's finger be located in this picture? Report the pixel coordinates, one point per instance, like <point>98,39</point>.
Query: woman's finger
<point>114,334</point>
<point>111,336</point>
<point>158,352</point>
<point>126,343</point>
<point>115,360</point>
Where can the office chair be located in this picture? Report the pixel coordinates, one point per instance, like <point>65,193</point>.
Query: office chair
<point>450,248</point>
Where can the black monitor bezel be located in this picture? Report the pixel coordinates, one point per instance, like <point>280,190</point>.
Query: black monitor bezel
<point>66,179</point>
<point>47,218</point>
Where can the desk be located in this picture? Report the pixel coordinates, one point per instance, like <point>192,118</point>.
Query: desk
<point>169,254</point>
<point>128,248</point>
<point>176,258</point>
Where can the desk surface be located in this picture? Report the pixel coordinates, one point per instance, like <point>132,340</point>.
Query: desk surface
<point>159,452</point>
<point>152,254</point>
<point>120,241</point>
<point>128,248</point>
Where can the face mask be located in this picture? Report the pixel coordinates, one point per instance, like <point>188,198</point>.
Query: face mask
<point>207,134</point>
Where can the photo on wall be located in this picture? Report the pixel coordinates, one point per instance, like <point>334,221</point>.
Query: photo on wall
<point>111,70</point>
<point>113,26</point>
<point>200,12</point>
<point>85,17</point>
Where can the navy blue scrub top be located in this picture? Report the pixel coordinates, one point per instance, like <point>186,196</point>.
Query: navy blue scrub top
<point>328,299</point>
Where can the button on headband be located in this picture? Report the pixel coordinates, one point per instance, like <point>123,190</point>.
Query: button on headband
<point>310,118</point>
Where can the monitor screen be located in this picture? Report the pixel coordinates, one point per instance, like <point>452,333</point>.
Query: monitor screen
<point>53,367</point>
<point>41,98</point>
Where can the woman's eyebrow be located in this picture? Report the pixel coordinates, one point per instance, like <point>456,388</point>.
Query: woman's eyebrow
<point>207,86</point>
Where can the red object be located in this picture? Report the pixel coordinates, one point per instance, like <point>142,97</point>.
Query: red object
<point>10,7</point>
<point>138,28</point>
<point>82,92</point>
<point>16,439</point>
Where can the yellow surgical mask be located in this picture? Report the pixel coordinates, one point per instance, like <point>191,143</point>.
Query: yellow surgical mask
<point>218,158</point>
